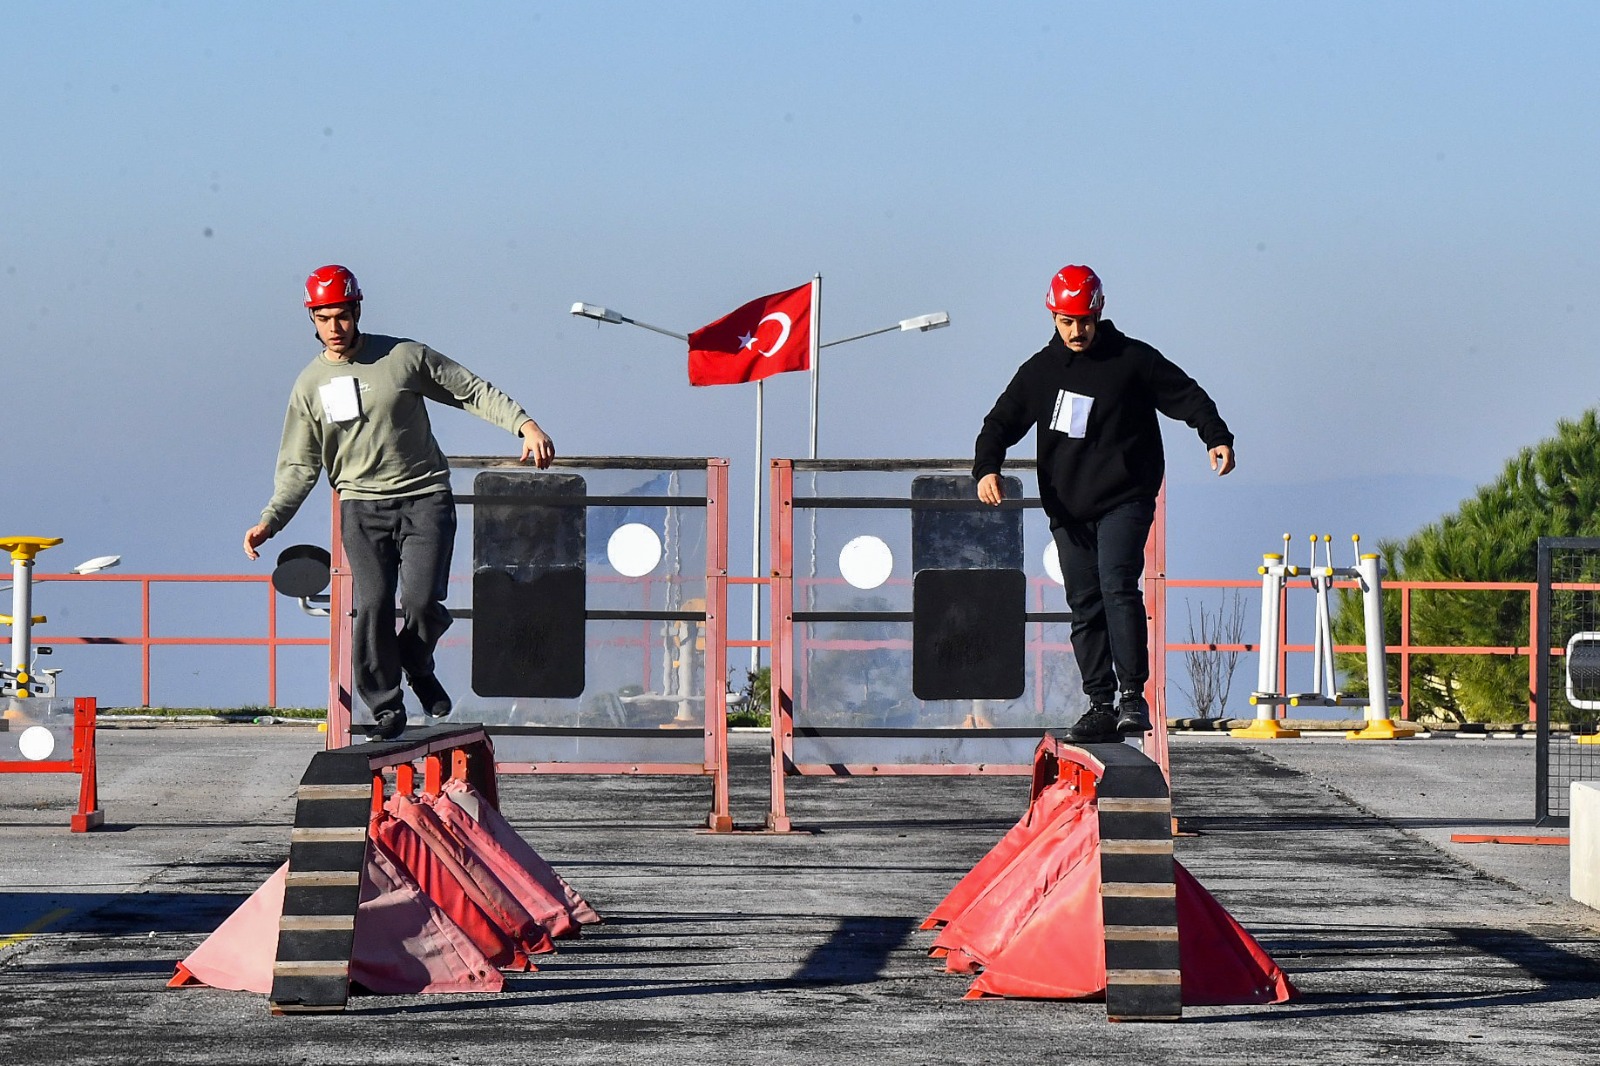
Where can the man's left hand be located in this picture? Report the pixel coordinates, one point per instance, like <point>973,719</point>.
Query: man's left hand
<point>1221,459</point>
<point>536,444</point>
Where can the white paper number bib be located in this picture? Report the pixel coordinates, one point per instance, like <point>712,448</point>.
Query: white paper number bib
<point>1072,414</point>
<point>341,399</point>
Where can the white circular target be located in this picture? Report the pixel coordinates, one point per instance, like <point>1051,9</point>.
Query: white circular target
<point>866,562</point>
<point>36,743</point>
<point>1052,563</point>
<point>634,549</point>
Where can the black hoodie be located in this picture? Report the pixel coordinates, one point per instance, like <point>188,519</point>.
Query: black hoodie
<point>1118,457</point>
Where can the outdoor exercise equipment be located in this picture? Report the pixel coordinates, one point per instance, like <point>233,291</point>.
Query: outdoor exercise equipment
<point>1583,670</point>
<point>1083,899</point>
<point>303,572</point>
<point>35,722</point>
<point>1270,692</point>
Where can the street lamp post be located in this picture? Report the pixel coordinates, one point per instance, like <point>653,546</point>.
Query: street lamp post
<point>605,314</point>
<point>920,324</point>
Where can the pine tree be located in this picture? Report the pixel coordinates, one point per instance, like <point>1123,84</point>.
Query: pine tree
<point>1551,489</point>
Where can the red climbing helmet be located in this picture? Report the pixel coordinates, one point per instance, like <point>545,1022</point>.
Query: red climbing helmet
<point>1075,291</point>
<point>331,285</point>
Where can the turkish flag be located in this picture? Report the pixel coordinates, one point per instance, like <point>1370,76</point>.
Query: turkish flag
<point>768,336</point>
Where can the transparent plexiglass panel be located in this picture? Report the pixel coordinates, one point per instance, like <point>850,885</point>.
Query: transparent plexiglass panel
<point>856,674</point>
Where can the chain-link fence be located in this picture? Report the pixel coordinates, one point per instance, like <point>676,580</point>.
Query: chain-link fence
<point>1568,650</point>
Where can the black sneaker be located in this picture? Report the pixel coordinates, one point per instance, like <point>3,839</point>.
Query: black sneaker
<point>1097,726</point>
<point>387,725</point>
<point>1133,714</point>
<point>434,699</point>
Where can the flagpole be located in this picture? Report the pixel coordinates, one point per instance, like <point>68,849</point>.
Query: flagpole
<point>816,392</point>
<point>816,354</point>
<point>755,550</point>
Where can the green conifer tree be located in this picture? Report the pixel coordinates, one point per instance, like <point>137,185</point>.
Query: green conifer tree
<point>1551,489</point>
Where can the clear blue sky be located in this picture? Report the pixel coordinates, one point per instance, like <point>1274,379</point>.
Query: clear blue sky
<point>1371,230</point>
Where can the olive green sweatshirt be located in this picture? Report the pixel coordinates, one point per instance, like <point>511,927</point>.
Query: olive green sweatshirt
<point>365,422</point>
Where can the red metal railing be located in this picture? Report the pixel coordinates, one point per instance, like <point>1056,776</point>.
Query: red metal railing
<point>144,640</point>
<point>1159,595</point>
<point>1405,649</point>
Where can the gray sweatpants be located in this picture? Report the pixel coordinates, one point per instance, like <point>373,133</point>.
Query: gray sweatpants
<point>401,545</point>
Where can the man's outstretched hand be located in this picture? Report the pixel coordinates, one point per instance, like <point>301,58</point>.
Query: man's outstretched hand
<point>537,445</point>
<point>1222,459</point>
<point>989,490</point>
<point>255,537</point>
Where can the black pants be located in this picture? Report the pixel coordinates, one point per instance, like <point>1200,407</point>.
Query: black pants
<point>1101,562</point>
<point>402,545</point>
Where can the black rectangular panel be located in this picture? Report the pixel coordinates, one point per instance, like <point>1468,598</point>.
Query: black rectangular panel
<point>529,594</point>
<point>990,538</point>
<point>321,899</point>
<point>968,634</point>
<point>528,633</point>
<point>528,519</point>
<point>314,945</point>
<point>310,993</point>
<point>1146,869</point>
<point>1149,1003</point>
<point>1139,910</point>
<point>328,813</point>
<point>1141,954</point>
<point>1135,825</point>
<point>306,856</point>
<point>341,766</point>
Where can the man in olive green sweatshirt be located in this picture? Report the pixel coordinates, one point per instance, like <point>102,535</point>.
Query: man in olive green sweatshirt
<point>358,412</point>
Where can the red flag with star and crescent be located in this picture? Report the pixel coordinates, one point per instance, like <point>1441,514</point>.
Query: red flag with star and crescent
<point>770,335</point>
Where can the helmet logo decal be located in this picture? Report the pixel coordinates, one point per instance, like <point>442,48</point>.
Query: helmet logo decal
<point>1075,290</point>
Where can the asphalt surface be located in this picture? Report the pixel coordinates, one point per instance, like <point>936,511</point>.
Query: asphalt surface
<point>755,948</point>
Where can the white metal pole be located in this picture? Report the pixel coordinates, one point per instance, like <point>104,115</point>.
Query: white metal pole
<point>21,612</point>
<point>816,354</point>
<point>755,536</point>
<point>1267,645</point>
<point>1322,644</point>
<point>1329,572</point>
<point>1370,570</point>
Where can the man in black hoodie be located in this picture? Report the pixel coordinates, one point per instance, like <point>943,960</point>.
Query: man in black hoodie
<point>1092,395</point>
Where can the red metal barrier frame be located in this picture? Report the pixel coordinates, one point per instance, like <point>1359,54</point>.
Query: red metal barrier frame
<point>715,762</point>
<point>89,815</point>
<point>784,681</point>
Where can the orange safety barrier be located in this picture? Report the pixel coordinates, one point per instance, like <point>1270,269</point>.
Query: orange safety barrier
<point>397,892</point>
<point>1082,899</point>
<point>89,815</point>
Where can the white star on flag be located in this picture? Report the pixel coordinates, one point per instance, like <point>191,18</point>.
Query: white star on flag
<point>746,340</point>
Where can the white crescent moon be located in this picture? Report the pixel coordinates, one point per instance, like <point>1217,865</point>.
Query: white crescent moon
<point>783,320</point>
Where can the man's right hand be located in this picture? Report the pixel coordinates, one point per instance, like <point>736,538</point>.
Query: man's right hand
<point>254,537</point>
<point>989,490</point>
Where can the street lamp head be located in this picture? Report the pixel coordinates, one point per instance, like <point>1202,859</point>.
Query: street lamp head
<point>923,323</point>
<point>98,563</point>
<point>599,314</point>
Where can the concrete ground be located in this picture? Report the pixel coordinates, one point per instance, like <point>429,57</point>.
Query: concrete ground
<point>756,948</point>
